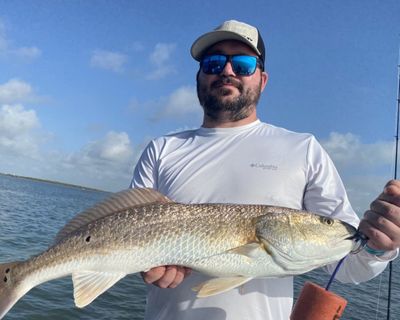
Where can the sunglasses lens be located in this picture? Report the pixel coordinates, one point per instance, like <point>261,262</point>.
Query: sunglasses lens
<point>244,65</point>
<point>214,64</point>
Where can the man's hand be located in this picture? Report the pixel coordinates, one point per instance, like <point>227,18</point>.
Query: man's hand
<point>381,224</point>
<point>166,276</point>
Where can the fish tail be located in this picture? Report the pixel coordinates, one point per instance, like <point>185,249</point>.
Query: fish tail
<point>10,291</point>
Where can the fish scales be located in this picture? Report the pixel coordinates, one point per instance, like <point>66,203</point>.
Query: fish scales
<point>136,230</point>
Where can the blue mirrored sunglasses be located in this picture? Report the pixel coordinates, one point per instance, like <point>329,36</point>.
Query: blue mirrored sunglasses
<point>242,65</point>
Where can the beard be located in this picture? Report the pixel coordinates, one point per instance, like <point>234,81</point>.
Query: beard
<point>217,105</point>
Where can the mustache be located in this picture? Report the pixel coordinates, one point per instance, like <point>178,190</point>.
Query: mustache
<point>226,80</point>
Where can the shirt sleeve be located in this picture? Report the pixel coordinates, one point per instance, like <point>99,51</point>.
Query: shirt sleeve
<point>325,194</point>
<point>145,172</point>
<point>361,267</point>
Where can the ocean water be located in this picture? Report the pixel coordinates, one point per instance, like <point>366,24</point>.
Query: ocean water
<point>31,213</point>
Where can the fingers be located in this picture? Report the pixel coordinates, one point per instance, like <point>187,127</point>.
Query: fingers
<point>393,186</point>
<point>381,224</point>
<point>385,212</point>
<point>391,193</point>
<point>153,274</point>
<point>380,231</point>
<point>172,277</point>
<point>166,276</point>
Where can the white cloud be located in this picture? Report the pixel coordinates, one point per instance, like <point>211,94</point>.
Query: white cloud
<point>159,58</point>
<point>114,147</point>
<point>9,50</point>
<point>27,52</point>
<point>347,150</point>
<point>363,189</point>
<point>15,91</point>
<point>20,128</point>
<point>15,119</point>
<point>181,102</point>
<point>108,60</point>
<point>364,167</point>
<point>161,72</point>
<point>162,53</point>
<point>18,131</point>
<point>106,163</point>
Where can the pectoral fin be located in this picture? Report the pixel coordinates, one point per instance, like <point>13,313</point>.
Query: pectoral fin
<point>88,285</point>
<point>219,285</point>
<point>250,250</point>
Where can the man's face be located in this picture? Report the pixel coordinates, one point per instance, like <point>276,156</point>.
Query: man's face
<point>227,94</point>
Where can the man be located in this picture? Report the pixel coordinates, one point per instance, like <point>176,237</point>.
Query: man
<point>235,158</point>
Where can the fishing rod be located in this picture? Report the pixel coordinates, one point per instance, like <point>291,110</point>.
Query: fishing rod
<point>395,177</point>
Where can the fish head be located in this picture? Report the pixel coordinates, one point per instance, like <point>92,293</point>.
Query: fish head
<point>300,241</point>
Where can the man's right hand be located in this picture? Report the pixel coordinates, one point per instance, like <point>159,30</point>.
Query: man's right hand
<point>166,276</point>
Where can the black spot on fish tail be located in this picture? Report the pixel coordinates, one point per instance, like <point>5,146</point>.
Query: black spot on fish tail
<point>87,239</point>
<point>5,279</point>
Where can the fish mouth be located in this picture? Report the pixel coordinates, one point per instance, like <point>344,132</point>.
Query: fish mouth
<point>360,241</point>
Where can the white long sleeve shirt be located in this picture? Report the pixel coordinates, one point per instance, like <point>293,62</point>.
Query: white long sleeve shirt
<point>252,164</point>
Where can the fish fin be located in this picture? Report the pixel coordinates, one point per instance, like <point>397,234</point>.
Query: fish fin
<point>250,250</point>
<point>9,292</point>
<point>114,204</point>
<point>219,285</point>
<point>88,285</point>
<point>266,247</point>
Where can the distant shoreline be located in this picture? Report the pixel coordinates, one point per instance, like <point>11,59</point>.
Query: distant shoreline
<point>52,182</point>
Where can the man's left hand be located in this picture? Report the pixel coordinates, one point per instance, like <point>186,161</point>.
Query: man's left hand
<point>381,224</point>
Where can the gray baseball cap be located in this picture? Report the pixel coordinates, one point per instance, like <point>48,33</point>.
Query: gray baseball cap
<point>229,30</point>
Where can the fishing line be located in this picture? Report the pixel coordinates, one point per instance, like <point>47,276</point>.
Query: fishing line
<point>362,239</point>
<point>357,237</point>
<point>379,297</point>
<point>334,273</point>
<point>315,302</point>
<point>395,177</point>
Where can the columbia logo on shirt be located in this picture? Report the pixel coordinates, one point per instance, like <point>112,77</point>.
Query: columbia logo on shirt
<point>263,166</point>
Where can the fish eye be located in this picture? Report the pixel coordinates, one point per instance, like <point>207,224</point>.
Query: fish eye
<point>327,221</point>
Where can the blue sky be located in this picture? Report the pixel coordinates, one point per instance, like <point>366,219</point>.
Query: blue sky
<point>84,85</point>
